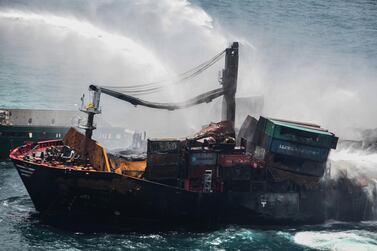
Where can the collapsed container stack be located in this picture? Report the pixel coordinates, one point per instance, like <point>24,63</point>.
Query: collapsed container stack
<point>279,149</point>
<point>297,147</point>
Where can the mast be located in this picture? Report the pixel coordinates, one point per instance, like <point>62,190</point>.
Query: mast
<point>229,82</point>
<point>91,109</point>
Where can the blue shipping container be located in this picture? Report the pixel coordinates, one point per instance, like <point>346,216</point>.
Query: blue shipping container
<point>298,150</point>
<point>203,158</point>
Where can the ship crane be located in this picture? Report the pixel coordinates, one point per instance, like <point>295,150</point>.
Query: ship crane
<point>228,90</point>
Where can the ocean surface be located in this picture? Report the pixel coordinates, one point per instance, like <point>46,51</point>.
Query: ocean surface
<point>311,60</point>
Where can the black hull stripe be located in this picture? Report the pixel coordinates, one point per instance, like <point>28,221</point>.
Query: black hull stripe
<point>26,171</point>
<point>26,168</point>
<point>25,174</point>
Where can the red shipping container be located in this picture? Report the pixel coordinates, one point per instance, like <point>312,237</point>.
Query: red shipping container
<point>198,171</point>
<point>227,160</point>
<point>195,185</point>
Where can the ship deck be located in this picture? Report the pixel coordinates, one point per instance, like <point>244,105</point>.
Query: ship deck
<point>56,154</point>
<point>40,154</point>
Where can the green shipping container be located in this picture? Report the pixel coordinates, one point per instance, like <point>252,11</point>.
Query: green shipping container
<point>298,133</point>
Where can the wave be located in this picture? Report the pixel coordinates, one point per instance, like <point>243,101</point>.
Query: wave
<point>337,240</point>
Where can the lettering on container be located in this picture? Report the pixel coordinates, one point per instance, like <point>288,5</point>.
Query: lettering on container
<point>296,149</point>
<point>203,158</point>
<point>299,150</point>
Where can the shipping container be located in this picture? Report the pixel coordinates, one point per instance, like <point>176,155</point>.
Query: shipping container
<point>230,160</point>
<point>307,167</point>
<point>198,171</point>
<point>200,161</point>
<point>164,159</point>
<point>163,166</point>
<point>164,146</point>
<point>202,158</point>
<point>162,172</point>
<point>236,173</point>
<point>197,185</point>
<point>296,150</point>
<point>298,133</point>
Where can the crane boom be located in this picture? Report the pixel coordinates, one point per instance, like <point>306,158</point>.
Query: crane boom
<point>202,98</point>
<point>228,90</point>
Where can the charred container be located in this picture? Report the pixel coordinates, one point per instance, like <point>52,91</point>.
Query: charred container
<point>164,161</point>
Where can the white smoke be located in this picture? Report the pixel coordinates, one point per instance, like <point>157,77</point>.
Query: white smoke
<point>70,45</point>
<point>310,68</point>
<point>357,162</point>
<point>113,43</point>
<point>63,46</point>
<point>360,167</point>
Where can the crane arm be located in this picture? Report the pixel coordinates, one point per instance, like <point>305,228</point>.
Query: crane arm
<point>202,98</point>
<point>228,90</point>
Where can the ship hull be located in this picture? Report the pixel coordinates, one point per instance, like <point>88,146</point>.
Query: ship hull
<point>56,191</point>
<point>104,197</point>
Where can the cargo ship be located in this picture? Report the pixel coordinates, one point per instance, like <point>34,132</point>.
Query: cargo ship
<point>18,126</point>
<point>270,172</point>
